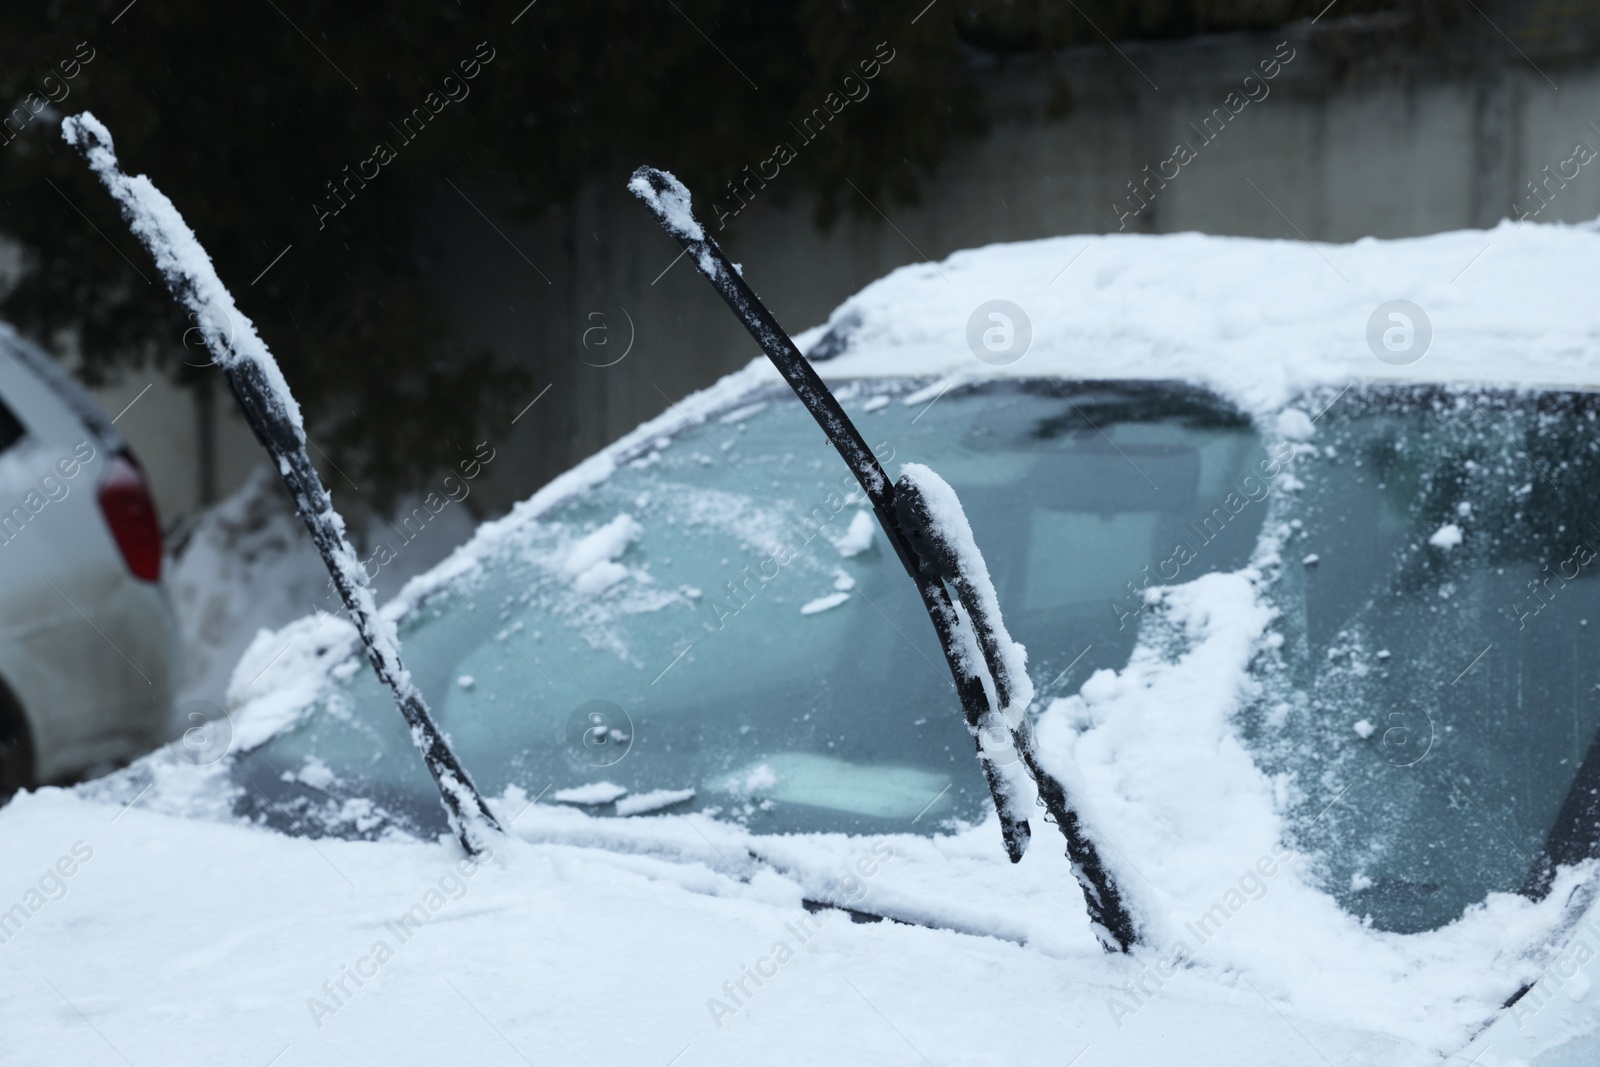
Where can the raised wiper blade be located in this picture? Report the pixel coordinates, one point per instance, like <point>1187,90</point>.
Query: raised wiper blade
<point>270,409</point>
<point>922,518</point>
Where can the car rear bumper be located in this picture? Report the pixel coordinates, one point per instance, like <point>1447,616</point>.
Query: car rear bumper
<point>96,684</point>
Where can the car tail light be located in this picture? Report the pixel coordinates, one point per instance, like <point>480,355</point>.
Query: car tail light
<point>131,514</point>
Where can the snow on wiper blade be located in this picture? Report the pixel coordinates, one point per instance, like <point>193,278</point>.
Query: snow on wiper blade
<point>270,409</point>
<point>922,518</point>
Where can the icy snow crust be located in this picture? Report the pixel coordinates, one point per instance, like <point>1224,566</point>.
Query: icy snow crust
<point>1261,322</point>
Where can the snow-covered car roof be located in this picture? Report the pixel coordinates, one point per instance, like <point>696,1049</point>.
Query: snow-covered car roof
<point>1261,323</point>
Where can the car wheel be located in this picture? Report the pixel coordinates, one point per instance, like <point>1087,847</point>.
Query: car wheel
<point>16,749</point>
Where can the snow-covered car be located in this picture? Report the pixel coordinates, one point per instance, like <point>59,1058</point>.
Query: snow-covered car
<point>1300,541</point>
<point>87,636</point>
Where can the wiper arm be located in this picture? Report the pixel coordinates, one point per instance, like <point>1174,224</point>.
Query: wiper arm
<point>923,521</point>
<point>263,395</point>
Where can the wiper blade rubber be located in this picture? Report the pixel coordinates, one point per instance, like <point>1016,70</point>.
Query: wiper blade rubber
<point>925,550</point>
<point>270,409</point>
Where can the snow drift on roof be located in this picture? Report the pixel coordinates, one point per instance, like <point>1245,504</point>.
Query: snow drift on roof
<point>1257,320</point>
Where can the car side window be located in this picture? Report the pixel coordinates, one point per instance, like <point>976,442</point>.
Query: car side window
<point>1440,593</point>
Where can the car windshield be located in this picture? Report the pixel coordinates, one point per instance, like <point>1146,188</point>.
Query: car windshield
<point>1437,675</point>
<point>719,626</point>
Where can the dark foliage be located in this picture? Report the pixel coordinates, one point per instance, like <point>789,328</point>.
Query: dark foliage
<point>243,112</point>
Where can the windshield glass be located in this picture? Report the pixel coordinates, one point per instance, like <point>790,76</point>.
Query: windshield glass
<point>1437,674</point>
<point>720,627</point>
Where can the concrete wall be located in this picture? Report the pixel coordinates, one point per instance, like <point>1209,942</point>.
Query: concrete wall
<point>1353,138</point>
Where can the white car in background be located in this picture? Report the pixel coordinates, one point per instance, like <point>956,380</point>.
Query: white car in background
<point>88,642</point>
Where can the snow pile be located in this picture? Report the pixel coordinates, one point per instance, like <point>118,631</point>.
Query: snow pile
<point>1446,537</point>
<point>1295,425</point>
<point>758,779</point>
<point>1171,783</point>
<point>590,794</point>
<point>592,562</point>
<point>354,952</point>
<point>655,800</point>
<point>857,537</point>
<point>823,603</point>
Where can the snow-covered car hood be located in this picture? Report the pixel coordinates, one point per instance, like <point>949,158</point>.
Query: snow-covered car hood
<point>1198,826</point>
